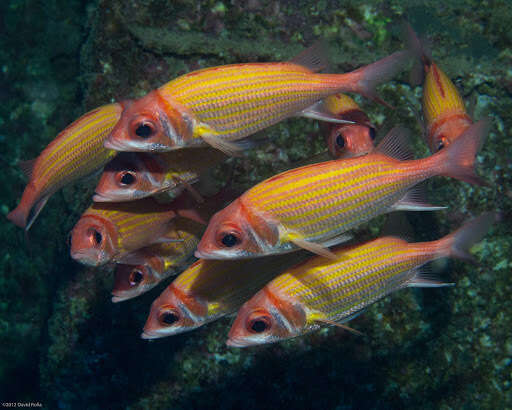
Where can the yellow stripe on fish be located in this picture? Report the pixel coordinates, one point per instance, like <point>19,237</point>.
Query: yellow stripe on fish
<point>76,152</point>
<point>208,290</point>
<point>219,105</point>
<point>319,292</point>
<point>312,206</point>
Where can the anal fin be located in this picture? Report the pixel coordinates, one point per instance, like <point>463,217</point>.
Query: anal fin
<point>36,209</point>
<point>414,200</point>
<point>318,111</point>
<point>212,137</point>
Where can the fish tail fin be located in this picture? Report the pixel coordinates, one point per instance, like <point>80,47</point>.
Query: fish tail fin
<point>379,72</point>
<point>458,159</point>
<point>20,215</point>
<point>421,55</point>
<point>458,243</point>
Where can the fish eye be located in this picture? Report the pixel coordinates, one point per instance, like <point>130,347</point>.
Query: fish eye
<point>441,143</point>
<point>144,129</point>
<point>340,141</point>
<point>229,240</point>
<point>168,317</point>
<point>136,277</point>
<point>258,324</point>
<point>372,133</point>
<point>95,236</point>
<point>127,178</point>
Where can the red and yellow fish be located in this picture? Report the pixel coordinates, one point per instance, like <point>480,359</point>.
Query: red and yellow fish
<point>110,231</point>
<point>321,292</point>
<point>147,267</point>
<point>221,105</point>
<point>311,207</point>
<point>76,152</point>
<point>444,111</point>
<point>208,290</point>
<point>348,140</point>
<point>132,176</point>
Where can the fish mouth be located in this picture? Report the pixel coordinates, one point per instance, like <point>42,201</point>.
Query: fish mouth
<point>234,343</point>
<point>118,146</point>
<point>149,336</point>
<point>116,298</point>
<point>86,259</point>
<point>102,198</point>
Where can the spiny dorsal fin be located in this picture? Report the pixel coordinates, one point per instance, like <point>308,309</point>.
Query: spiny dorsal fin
<point>313,58</point>
<point>27,167</point>
<point>395,144</point>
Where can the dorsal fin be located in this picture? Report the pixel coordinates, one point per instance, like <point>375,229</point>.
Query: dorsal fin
<point>313,58</point>
<point>395,144</point>
<point>27,167</point>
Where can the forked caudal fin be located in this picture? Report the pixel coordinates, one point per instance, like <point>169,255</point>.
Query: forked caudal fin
<point>28,209</point>
<point>457,160</point>
<point>458,243</point>
<point>380,72</point>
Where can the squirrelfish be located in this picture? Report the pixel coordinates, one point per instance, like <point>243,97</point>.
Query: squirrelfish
<point>76,152</point>
<point>109,231</point>
<point>311,207</point>
<point>208,290</point>
<point>444,111</point>
<point>220,105</point>
<point>131,176</point>
<point>348,140</point>
<point>147,267</point>
<point>320,292</point>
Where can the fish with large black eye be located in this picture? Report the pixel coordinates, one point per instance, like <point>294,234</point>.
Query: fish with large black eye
<point>348,140</point>
<point>133,175</point>
<point>208,290</point>
<point>444,112</point>
<point>219,106</point>
<point>145,268</point>
<point>110,231</point>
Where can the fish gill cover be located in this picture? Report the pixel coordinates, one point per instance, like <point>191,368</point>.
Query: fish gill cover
<point>65,345</point>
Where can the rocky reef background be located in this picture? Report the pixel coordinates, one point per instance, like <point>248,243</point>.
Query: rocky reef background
<point>64,344</point>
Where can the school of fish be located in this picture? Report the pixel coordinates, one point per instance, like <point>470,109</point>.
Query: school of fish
<point>274,255</point>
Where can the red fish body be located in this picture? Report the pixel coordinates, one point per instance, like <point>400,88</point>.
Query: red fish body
<point>443,109</point>
<point>224,104</point>
<point>444,112</point>
<point>348,140</point>
<point>132,176</point>
<point>155,263</point>
<point>107,232</point>
<point>76,152</point>
<point>322,292</point>
<point>209,290</point>
<point>312,206</point>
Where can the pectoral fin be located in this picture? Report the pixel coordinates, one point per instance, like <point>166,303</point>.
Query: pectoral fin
<point>212,137</point>
<point>298,239</point>
<point>340,325</point>
<point>197,196</point>
<point>319,317</point>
